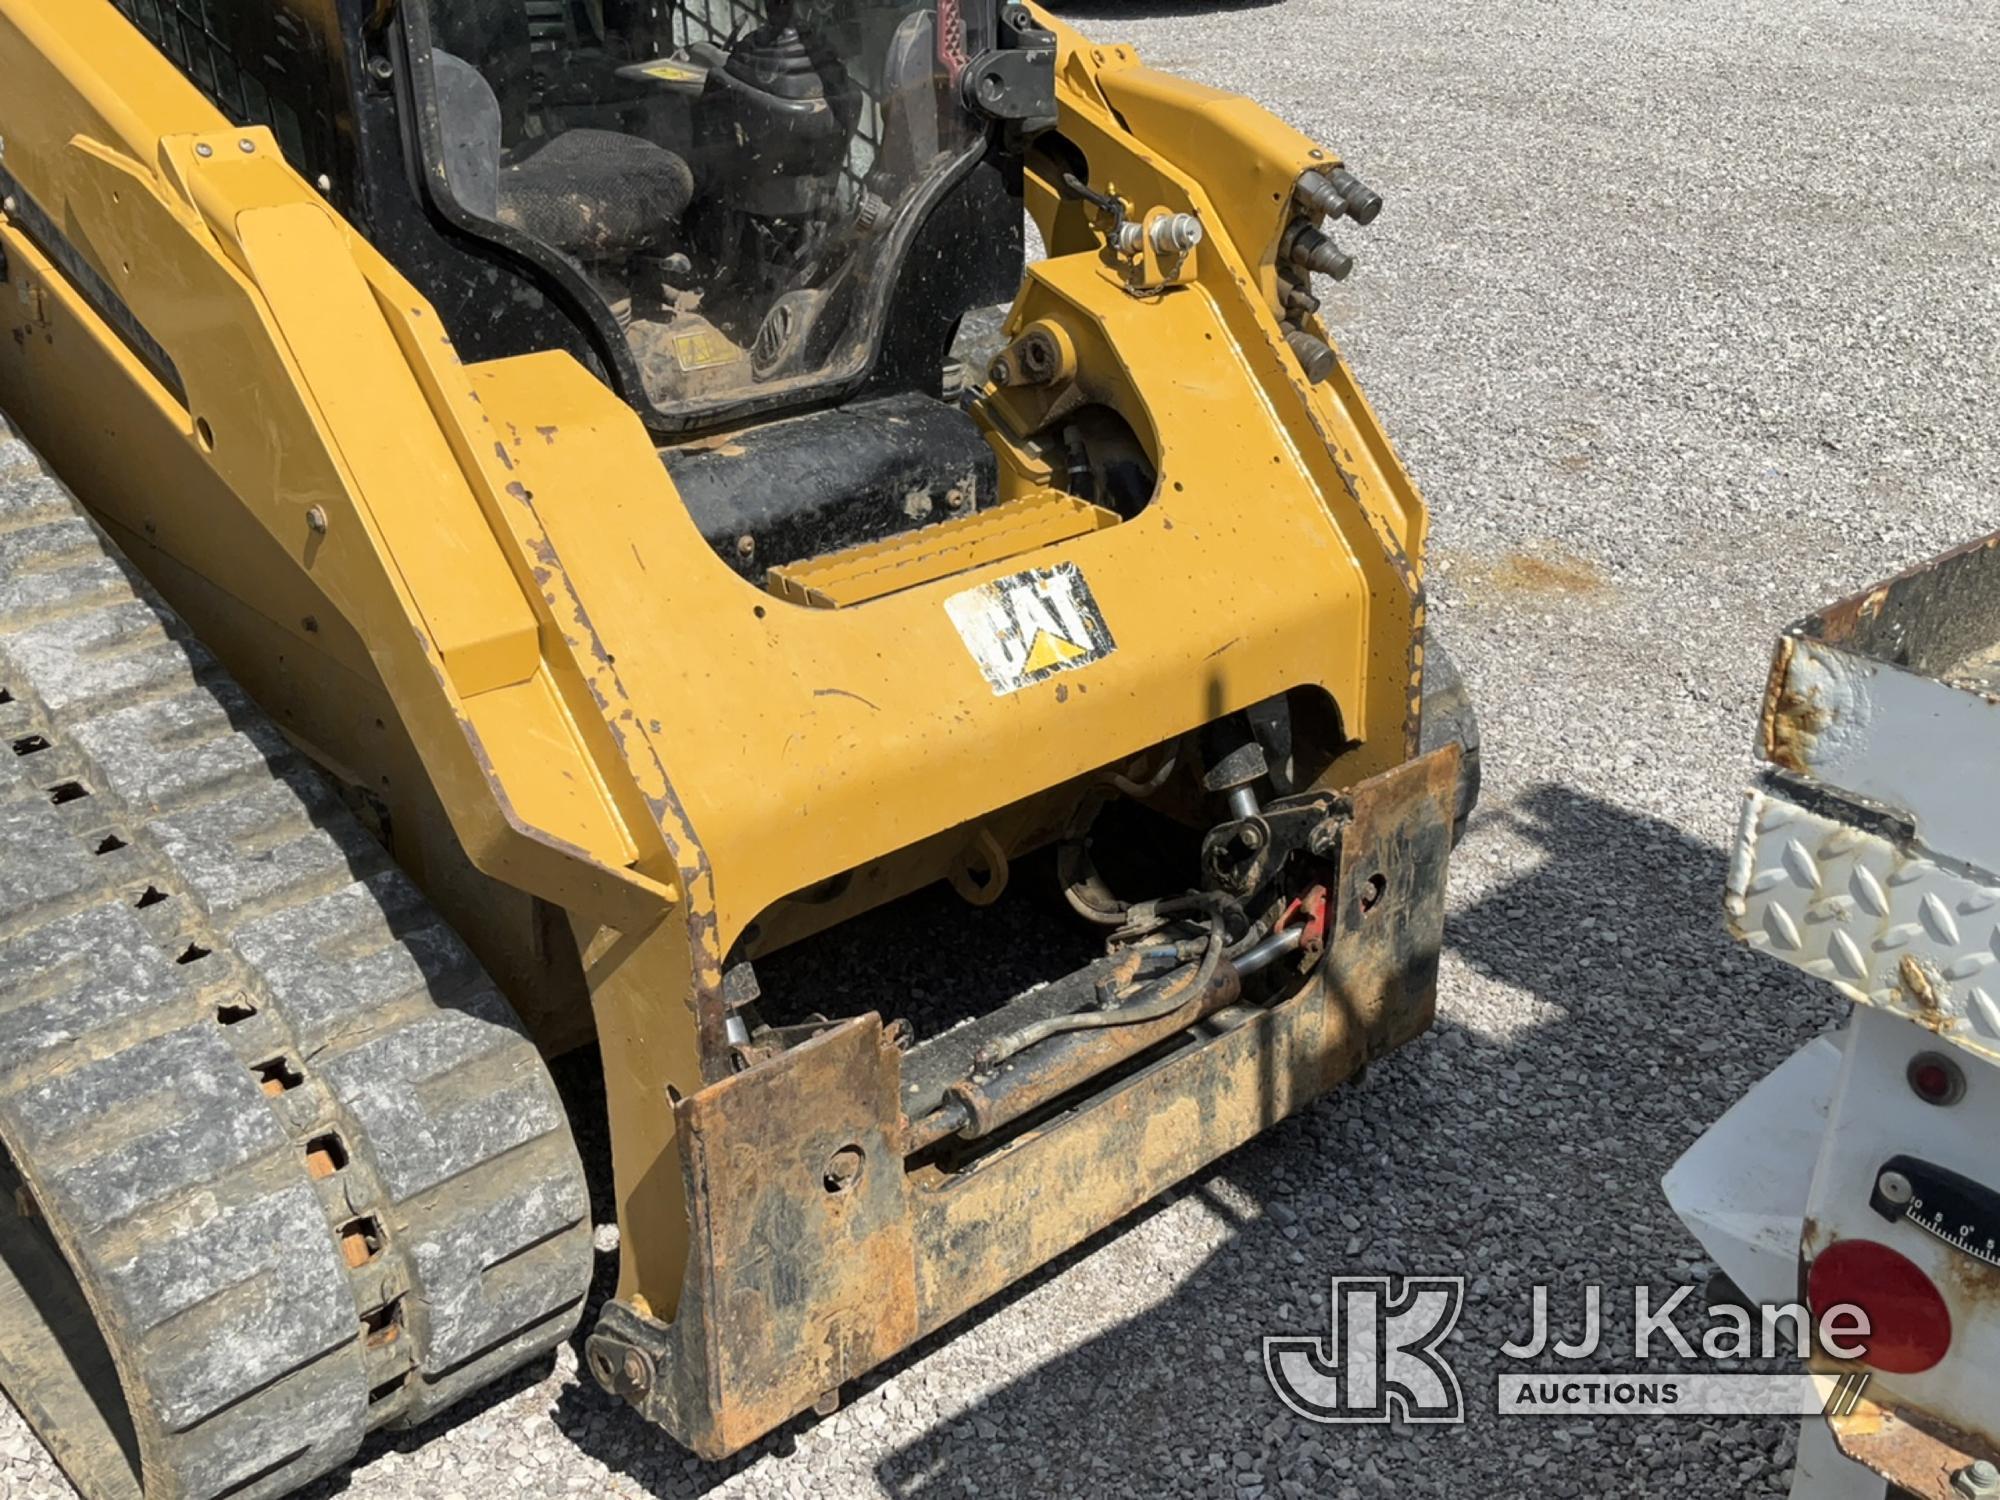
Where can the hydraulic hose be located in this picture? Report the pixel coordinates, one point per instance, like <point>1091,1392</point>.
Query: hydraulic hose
<point>1168,998</point>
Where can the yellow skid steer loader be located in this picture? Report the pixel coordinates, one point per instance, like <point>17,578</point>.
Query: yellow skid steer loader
<point>512,513</point>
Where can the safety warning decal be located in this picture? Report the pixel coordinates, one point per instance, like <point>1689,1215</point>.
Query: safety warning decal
<point>1031,626</point>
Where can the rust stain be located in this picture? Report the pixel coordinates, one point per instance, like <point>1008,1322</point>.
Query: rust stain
<point>820,1251</point>
<point>1974,1281</point>
<point>1552,572</point>
<point>1548,571</point>
<point>1792,725</point>
<point>1789,722</point>
<point>1915,981</point>
<point>1792,721</point>
<point>355,1248</point>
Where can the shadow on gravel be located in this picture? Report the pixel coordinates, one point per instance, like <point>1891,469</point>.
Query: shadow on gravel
<point>1509,1160</point>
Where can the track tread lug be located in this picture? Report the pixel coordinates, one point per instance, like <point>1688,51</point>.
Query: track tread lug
<point>159,755</point>
<point>423,1137</point>
<point>341,955</point>
<point>234,1299</point>
<point>197,1112</point>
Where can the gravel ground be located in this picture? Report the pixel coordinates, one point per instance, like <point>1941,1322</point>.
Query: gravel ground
<point>1684,316</point>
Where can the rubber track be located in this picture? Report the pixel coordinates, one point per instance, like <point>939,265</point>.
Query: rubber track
<point>309,1173</point>
<point>1449,715</point>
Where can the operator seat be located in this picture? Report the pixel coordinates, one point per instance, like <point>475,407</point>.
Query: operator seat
<point>591,194</point>
<point>596,194</point>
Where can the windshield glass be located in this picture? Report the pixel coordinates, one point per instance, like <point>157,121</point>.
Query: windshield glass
<point>730,177</point>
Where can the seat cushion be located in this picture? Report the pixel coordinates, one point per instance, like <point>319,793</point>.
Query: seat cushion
<point>595,194</point>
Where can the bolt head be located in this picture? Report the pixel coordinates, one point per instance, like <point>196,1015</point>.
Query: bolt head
<point>635,1369</point>
<point>1977,1480</point>
<point>316,520</point>
<point>746,545</point>
<point>1894,1187</point>
<point>247,147</point>
<point>203,149</point>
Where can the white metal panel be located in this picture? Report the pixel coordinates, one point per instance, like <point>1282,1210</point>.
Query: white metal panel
<point>1823,1472</point>
<point>1877,1115</point>
<point>1912,743</point>
<point>1741,1188</point>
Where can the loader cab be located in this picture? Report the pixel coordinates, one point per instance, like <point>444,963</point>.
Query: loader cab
<point>729,211</point>
<point>761,217</point>
<point>738,187</point>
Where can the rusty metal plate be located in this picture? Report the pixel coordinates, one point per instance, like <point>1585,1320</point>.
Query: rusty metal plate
<point>1918,1460</point>
<point>802,1263</point>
